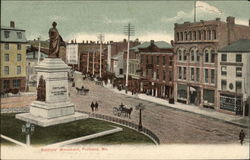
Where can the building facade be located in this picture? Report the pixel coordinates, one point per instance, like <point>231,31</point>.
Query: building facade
<point>13,58</point>
<point>234,77</point>
<point>196,45</point>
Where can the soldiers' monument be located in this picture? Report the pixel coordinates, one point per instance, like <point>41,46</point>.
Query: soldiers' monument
<point>52,105</point>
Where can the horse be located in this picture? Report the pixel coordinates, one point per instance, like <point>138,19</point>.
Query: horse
<point>127,111</point>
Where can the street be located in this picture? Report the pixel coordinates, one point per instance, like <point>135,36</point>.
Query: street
<point>171,126</point>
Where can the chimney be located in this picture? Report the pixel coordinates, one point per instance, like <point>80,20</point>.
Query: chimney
<point>83,41</point>
<point>72,41</point>
<point>152,42</point>
<point>12,24</point>
<point>87,42</point>
<point>230,20</point>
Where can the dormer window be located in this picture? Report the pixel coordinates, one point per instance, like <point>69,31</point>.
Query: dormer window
<point>6,34</point>
<point>19,35</point>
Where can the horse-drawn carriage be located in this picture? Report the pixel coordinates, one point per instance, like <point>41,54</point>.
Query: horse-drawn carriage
<point>82,91</point>
<point>121,110</point>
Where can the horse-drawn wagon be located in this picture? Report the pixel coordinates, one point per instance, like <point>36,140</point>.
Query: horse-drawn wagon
<point>121,110</point>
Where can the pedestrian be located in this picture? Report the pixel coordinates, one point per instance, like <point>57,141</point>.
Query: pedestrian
<point>92,106</point>
<point>241,136</point>
<point>96,106</point>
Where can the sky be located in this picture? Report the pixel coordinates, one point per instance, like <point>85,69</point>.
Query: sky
<point>84,20</point>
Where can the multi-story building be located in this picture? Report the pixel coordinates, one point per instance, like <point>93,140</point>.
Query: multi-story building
<point>196,46</point>
<point>234,77</point>
<point>13,58</point>
<point>151,69</point>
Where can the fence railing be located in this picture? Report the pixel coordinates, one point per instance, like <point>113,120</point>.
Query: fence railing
<point>123,122</point>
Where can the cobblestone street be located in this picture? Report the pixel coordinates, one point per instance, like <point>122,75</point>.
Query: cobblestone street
<point>170,125</point>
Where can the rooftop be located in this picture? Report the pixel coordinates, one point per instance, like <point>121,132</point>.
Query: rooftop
<point>159,44</point>
<point>242,45</point>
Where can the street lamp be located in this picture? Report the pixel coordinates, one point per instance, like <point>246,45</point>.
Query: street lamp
<point>140,107</point>
<point>28,129</point>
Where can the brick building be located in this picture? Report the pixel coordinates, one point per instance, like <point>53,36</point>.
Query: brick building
<point>196,46</point>
<point>151,69</point>
<point>13,58</point>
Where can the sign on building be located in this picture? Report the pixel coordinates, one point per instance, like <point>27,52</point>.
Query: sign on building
<point>72,53</point>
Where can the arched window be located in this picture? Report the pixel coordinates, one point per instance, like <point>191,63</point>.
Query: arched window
<point>184,55</point>
<point>179,55</point>
<point>192,55</point>
<point>181,36</point>
<point>177,36</point>
<point>197,56</point>
<point>206,56</point>
<point>190,36</point>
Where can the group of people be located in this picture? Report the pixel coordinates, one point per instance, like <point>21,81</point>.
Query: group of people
<point>94,106</point>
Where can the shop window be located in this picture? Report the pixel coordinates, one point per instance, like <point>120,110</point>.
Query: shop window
<point>208,96</point>
<point>16,83</point>
<point>182,91</point>
<point>6,84</point>
<point>6,57</point>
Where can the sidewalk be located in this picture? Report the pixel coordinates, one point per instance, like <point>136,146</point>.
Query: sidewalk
<point>209,113</point>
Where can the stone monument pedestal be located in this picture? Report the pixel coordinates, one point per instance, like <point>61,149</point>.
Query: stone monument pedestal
<point>55,108</point>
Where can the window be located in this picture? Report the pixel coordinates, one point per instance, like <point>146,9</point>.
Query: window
<point>177,36</point>
<point>19,57</point>
<point>204,35</point>
<point>180,73</point>
<point>238,72</point>
<point>157,60</point>
<point>181,36</point>
<point>208,96</point>
<point>6,57</point>
<point>223,57</point>
<point>6,70</point>
<point>238,58</point>
<point>223,85</point>
<point>199,34</point>
<point>197,74</point>
<point>18,70</point>
<point>212,56</point>
<point>6,84</point>
<point>214,34</point>
<point>206,75</point>
<point>6,46</point>
<point>192,74</point>
<point>184,73</point>
<point>16,83</point>
<point>238,86</point>
<point>152,59</point>
<point>197,56</point>
<point>184,56</point>
<point>170,60</point>
<point>163,60</point>
<point>164,76</point>
<point>212,76</point>
<point>179,55</point>
<point>141,58</point>
<point>6,34</point>
<point>192,55</point>
<point>206,56</point>
<point>19,47</point>
<point>19,35</point>
<point>186,36</point>
<point>121,71</point>
<point>157,73</point>
<point>194,35</point>
<point>223,70</point>
<point>190,36</point>
<point>209,35</point>
<point>147,59</point>
<point>171,76</point>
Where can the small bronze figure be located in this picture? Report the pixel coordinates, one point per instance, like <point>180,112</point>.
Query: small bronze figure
<point>41,90</point>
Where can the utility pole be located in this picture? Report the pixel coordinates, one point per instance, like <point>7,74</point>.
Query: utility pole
<point>93,65</point>
<point>88,63</point>
<point>129,30</point>
<point>101,39</point>
<point>39,53</point>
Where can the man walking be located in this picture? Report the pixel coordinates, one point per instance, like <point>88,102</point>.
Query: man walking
<point>241,136</point>
<point>96,106</point>
<point>92,106</point>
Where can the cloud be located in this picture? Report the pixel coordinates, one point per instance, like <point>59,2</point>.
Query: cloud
<point>242,21</point>
<point>203,6</point>
<point>117,21</point>
<point>203,9</point>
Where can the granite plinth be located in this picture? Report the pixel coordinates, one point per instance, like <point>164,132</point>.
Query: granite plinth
<point>45,122</point>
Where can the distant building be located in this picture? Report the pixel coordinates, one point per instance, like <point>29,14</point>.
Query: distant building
<point>151,69</point>
<point>32,61</point>
<point>234,77</point>
<point>117,65</point>
<point>13,58</point>
<point>196,46</point>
